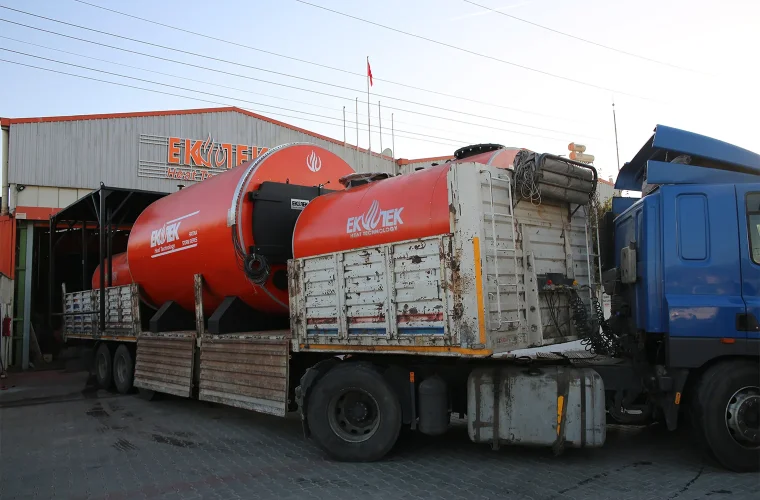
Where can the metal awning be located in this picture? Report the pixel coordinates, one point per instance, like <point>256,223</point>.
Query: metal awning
<point>125,205</point>
<point>109,208</point>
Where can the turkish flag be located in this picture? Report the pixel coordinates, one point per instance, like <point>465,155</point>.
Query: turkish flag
<point>369,73</point>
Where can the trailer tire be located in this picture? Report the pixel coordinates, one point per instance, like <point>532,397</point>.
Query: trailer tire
<point>353,413</point>
<point>103,366</point>
<point>727,391</point>
<point>123,369</point>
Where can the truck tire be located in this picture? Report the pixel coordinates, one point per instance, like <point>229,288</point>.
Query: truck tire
<point>103,366</point>
<point>726,413</point>
<point>123,369</point>
<point>353,414</point>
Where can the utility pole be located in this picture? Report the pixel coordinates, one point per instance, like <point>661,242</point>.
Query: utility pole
<point>369,125</point>
<point>614,122</point>
<point>380,122</point>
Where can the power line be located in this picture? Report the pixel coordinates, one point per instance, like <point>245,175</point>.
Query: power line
<point>193,98</point>
<point>478,54</point>
<point>301,88</point>
<point>311,80</point>
<point>320,65</point>
<point>186,89</point>
<point>166,74</point>
<point>208,83</point>
<point>585,40</point>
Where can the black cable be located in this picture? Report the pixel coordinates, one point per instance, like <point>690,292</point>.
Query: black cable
<point>553,311</point>
<point>208,101</point>
<point>585,40</point>
<point>167,74</point>
<point>588,326</point>
<point>320,65</point>
<point>478,54</point>
<point>219,85</point>
<point>554,304</point>
<point>201,91</point>
<point>464,113</point>
<point>257,268</point>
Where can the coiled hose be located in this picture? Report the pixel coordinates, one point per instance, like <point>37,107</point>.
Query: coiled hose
<point>594,340</point>
<point>526,177</point>
<point>256,268</point>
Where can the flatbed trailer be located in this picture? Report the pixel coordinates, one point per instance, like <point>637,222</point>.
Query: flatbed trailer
<point>405,333</point>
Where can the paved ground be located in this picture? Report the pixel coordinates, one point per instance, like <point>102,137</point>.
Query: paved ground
<point>74,442</point>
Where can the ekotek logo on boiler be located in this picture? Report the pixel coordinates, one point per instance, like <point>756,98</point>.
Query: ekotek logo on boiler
<point>374,221</point>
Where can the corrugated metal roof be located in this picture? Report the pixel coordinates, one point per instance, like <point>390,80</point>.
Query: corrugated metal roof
<point>131,151</point>
<point>139,114</point>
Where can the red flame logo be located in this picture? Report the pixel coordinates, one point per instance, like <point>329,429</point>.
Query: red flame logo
<point>212,154</point>
<point>206,151</point>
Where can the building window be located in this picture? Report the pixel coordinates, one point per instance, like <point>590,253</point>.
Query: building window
<point>753,223</point>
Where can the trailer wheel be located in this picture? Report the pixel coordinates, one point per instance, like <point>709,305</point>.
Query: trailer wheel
<point>353,414</point>
<point>123,369</point>
<point>103,366</point>
<point>728,414</point>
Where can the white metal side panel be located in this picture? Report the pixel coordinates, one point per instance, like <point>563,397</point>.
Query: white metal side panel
<point>418,281</point>
<point>78,317</point>
<point>515,247</point>
<point>397,295</point>
<point>81,316</point>
<point>468,318</point>
<point>366,292</point>
<point>318,301</point>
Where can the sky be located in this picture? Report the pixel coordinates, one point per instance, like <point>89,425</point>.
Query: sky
<point>690,64</point>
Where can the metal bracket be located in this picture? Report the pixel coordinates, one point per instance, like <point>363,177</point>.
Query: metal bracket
<point>670,399</point>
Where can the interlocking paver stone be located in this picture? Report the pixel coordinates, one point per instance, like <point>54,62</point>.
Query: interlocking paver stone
<point>122,447</point>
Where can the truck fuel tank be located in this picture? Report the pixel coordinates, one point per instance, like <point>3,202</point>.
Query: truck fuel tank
<point>559,406</point>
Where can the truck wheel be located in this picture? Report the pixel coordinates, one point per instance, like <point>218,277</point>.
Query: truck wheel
<point>103,363</point>
<point>353,413</point>
<point>728,414</point>
<point>123,369</point>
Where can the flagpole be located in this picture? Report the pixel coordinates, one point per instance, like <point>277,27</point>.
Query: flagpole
<point>380,123</point>
<point>393,139</point>
<point>369,125</point>
<point>356,152</point>
<point>357,124</point>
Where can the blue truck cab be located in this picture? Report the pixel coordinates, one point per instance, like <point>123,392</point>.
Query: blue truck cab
<point>684,280</point>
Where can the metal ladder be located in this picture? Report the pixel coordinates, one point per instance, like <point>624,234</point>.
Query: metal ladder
<point>513,249</point>
<point>589,229</point>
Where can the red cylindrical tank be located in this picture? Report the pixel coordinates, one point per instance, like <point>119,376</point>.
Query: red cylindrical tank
<point>499,158</point>
<point>203,229</point>
<point>119,272</point>
<point>401,208</point>
<point>405,207</point>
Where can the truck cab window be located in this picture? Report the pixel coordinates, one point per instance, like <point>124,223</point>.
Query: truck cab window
<point>753,221</point>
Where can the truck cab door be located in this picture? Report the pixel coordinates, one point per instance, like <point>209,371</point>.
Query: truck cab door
<point>748,210</point>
